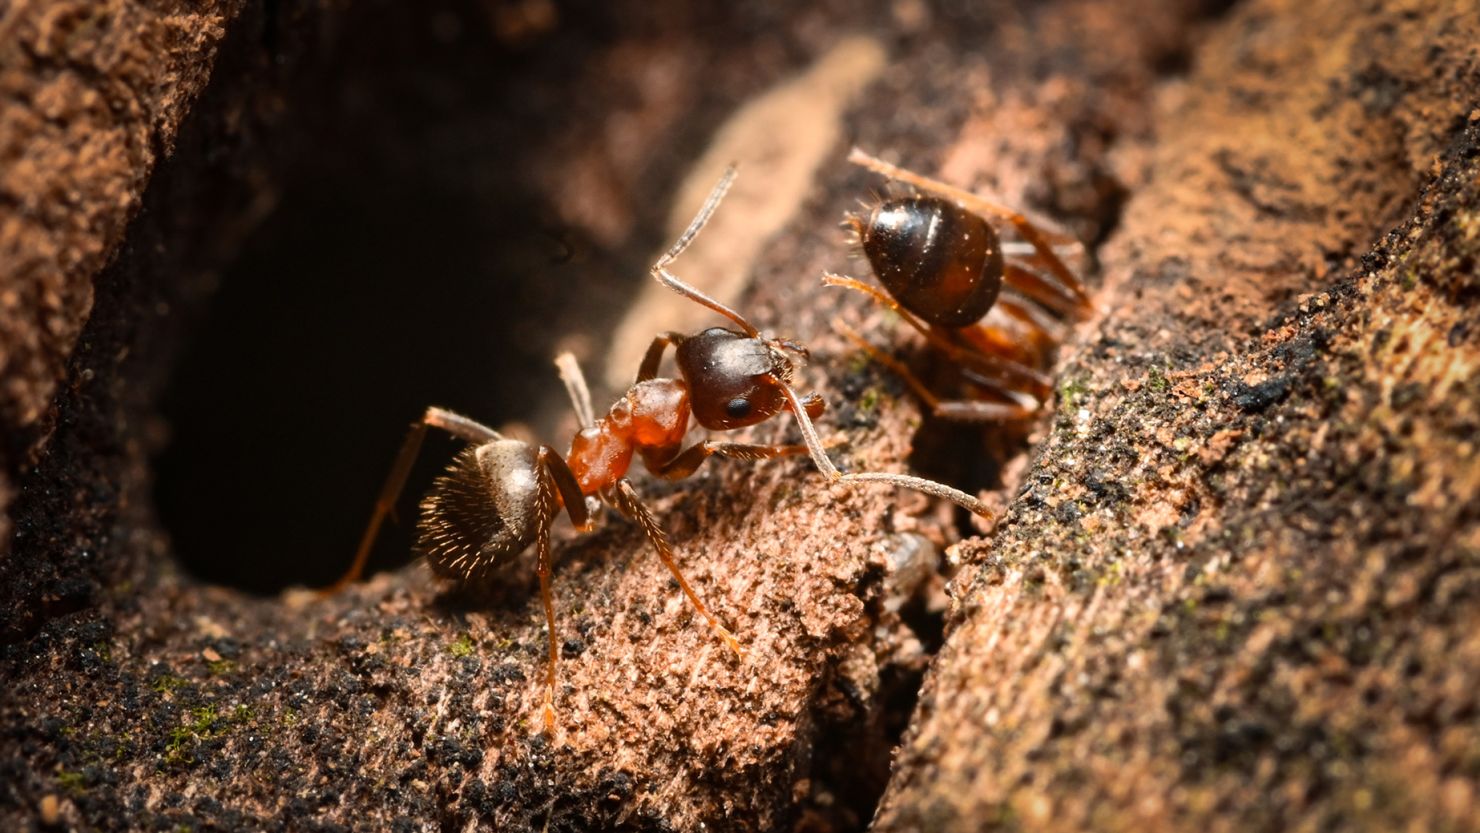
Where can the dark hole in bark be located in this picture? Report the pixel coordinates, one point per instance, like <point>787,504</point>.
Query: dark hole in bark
<point>408,261</point>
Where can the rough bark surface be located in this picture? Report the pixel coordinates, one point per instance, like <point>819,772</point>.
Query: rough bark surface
<point>1236,586</point>
<point>91,95</point>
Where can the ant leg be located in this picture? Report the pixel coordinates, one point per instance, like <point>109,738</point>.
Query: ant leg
<point>1000,366</point>
<point>542,550</point>
<point>894,365</point>
<point>694,456</point>
<point>632,506</point>
<point>830,471</point>
<point>575,387</point>
<point>1041,289</point>
<point>654,356</point>
<point>455,424</point>
<point>550,462</point>
<point>956,410</point>
<point>555,478</point>
<point>1037,322</point>
<point>1039,238</point>
<point>1023,341</point>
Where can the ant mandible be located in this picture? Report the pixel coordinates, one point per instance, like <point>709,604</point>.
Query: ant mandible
<point>499,495</point>
<point>944,267</point>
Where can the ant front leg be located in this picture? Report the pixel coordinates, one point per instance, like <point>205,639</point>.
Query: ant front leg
<point>629,504</point>
<point>687,462</point>
<point>455,424</point>
<point>825,465</point>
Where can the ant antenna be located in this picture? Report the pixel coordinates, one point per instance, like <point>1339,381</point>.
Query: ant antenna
<point>672,281</point>
<point>825,465</point>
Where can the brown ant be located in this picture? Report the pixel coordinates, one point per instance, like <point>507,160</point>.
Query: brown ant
<point>944,267</point>
<point>499,495</point>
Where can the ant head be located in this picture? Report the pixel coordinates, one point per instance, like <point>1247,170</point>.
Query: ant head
<point>736,379</point>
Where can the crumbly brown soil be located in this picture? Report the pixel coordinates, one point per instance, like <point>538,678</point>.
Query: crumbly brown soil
<point>1234,586</point>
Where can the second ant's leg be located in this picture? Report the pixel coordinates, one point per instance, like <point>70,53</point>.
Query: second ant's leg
<point>455,424</point>
<point>1022,341</point>
<point>1024,227</point>
<point>895,365</point>
<point>1001,366</point>
<point>632,506</point>
<point>959,411</point>
<point>1039,287</point>
<point>1044,330</point>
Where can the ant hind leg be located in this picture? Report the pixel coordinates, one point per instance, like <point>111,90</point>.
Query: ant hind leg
<point>455,424</point>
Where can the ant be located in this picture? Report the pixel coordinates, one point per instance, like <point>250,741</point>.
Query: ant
<point>943,266</point>
<point>499,495</point>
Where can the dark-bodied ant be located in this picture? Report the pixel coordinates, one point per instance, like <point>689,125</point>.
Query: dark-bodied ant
<point>499,495</point>
<point>944,267</point>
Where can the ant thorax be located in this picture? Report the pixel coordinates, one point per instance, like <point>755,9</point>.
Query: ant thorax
<point>654,414</point>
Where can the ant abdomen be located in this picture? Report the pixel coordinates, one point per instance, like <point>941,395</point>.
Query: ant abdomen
<point>482,510</point>
<point>940,261</point>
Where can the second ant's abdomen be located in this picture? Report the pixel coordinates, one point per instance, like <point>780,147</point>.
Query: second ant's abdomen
<point>938,260</point>
<point>481,510</point>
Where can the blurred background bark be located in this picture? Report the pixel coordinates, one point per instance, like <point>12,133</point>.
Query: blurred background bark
<point>1234,584</point>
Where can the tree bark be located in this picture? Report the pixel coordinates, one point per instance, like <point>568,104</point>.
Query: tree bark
<point>1238,587</point>
<point>1233,586</point>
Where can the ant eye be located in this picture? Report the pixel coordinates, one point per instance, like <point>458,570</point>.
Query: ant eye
<point>738,408</point>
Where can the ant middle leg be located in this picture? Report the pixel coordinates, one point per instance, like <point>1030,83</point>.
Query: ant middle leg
<point>628,503</point>
<point>455,424</point>
<point>1043,290</point>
